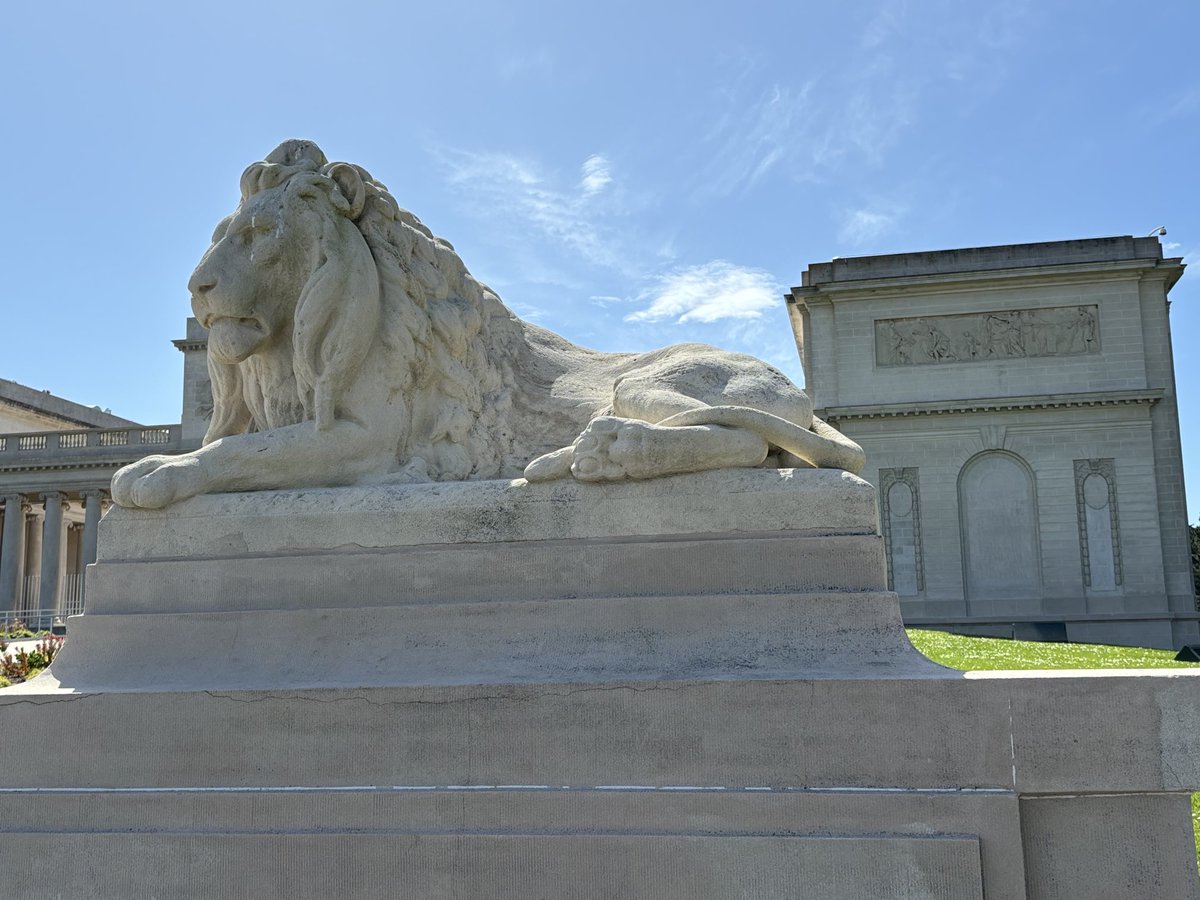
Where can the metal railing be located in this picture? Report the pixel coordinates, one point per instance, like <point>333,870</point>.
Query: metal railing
<point>36,617</point>
<point>29,591</point>
<point>70,590</point>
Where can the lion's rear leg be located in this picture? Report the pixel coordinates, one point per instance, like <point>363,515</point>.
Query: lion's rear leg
<point>613,448</point>
<point>630,445</point>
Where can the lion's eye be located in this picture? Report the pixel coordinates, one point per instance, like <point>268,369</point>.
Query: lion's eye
<point>254,228</point>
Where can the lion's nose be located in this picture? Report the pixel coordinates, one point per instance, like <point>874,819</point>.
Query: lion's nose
<point>198,285</point>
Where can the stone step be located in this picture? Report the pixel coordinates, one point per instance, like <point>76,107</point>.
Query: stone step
<point>516,570</point>
<point>498,867</point>
<point>524,809</point>
<point>756,636</point>
<point>800,501</point>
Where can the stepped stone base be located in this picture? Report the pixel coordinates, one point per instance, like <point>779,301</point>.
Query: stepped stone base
<point>696,688</point>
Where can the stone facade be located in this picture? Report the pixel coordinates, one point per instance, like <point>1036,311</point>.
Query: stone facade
<point>1017,407</point>
<point>687,687</point>
<point>56,461</point>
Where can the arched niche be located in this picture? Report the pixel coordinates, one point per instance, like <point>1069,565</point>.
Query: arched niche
<point>997,500</point>
<point>1099,532</point>
<point>899,506</point>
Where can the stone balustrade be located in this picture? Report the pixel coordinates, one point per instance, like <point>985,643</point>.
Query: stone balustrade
<point>53,490</point>
<point>22,448</point>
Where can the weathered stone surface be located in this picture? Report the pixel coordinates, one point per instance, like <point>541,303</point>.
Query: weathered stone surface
<point>734,814</point>
<point>1068,735</point>
<point>1110,848</point>
<point>575,640</point>
<point>704,565</point>
<point>347,344</point>
<point>710,575</point>
<point>820,502</point>
<point>507,867</point>
<point>905,759</point>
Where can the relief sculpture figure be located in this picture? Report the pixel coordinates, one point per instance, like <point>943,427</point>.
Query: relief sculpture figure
<point>1005,334</point>
<point>349,345</point>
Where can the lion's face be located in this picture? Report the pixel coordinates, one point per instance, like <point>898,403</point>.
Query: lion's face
<point>245,288</point>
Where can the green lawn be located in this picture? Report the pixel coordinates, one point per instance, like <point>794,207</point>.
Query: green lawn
<point>992,653</point>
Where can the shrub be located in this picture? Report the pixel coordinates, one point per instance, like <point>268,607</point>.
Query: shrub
<point>15,630</point>
<point>24,664</point>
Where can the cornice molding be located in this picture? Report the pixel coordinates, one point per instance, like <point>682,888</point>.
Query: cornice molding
<point>990,404</point>
<point>1168,270</point>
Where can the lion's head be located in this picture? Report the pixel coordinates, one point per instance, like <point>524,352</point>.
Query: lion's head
<point>320,264</point>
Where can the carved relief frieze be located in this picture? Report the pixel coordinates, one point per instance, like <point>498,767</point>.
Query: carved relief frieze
<point>1099,531</point>
<point>1004,334</point>
<point>900,516</point>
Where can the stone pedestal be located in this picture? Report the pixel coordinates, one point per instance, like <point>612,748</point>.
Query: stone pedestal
<point>695,687</point>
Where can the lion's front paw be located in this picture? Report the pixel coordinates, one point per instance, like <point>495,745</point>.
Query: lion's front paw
<point>158,481</point>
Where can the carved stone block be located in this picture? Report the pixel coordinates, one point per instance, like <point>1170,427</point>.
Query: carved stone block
<point>1003,334</point>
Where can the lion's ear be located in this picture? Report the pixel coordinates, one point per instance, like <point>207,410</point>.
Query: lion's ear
<point>350,183</point>
<point>262,176</point>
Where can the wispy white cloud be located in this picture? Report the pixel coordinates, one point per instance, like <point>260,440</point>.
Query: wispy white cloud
<point>869,222</point>
<point>754,140</point>
<point>873,119</point>
<point>465,167</point>
<point>536,204</point>
<point>706,293</point>
<point>863,224</point>
<point>596,174</point>
<point>814,127</point>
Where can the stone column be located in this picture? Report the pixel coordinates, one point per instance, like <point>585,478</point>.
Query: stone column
<point>91,524</point>
<point>33,551</point>
<point>52,547</point>
<point>12,551</point>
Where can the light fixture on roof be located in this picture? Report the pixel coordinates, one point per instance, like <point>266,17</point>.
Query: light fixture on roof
<point>1158,232</point>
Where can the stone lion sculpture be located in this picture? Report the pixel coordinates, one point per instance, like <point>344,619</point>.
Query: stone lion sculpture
<point>347,344</point>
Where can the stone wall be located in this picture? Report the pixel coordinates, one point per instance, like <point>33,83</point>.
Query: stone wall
<point>1028,409</point>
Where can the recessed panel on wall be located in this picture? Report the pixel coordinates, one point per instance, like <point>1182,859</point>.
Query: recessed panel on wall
<point>1099,535</point>
<point>998,518</point>
<point>900,515</point>
<point>1002,334</point>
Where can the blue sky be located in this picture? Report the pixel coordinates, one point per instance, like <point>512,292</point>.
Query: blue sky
<point>628,174</point>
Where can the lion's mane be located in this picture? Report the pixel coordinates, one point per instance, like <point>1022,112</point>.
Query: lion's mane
<point>434,319</point>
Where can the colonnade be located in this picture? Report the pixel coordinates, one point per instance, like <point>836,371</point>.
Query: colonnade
<point>37,533</point>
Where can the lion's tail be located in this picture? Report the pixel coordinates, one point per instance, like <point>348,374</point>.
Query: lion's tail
<point>824,446</point>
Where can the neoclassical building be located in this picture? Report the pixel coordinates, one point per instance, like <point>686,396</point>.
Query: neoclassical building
<point>1017,407</point>
<point>56,460</point>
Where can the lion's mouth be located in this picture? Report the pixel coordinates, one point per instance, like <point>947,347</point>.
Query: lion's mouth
<point>232,339</point>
